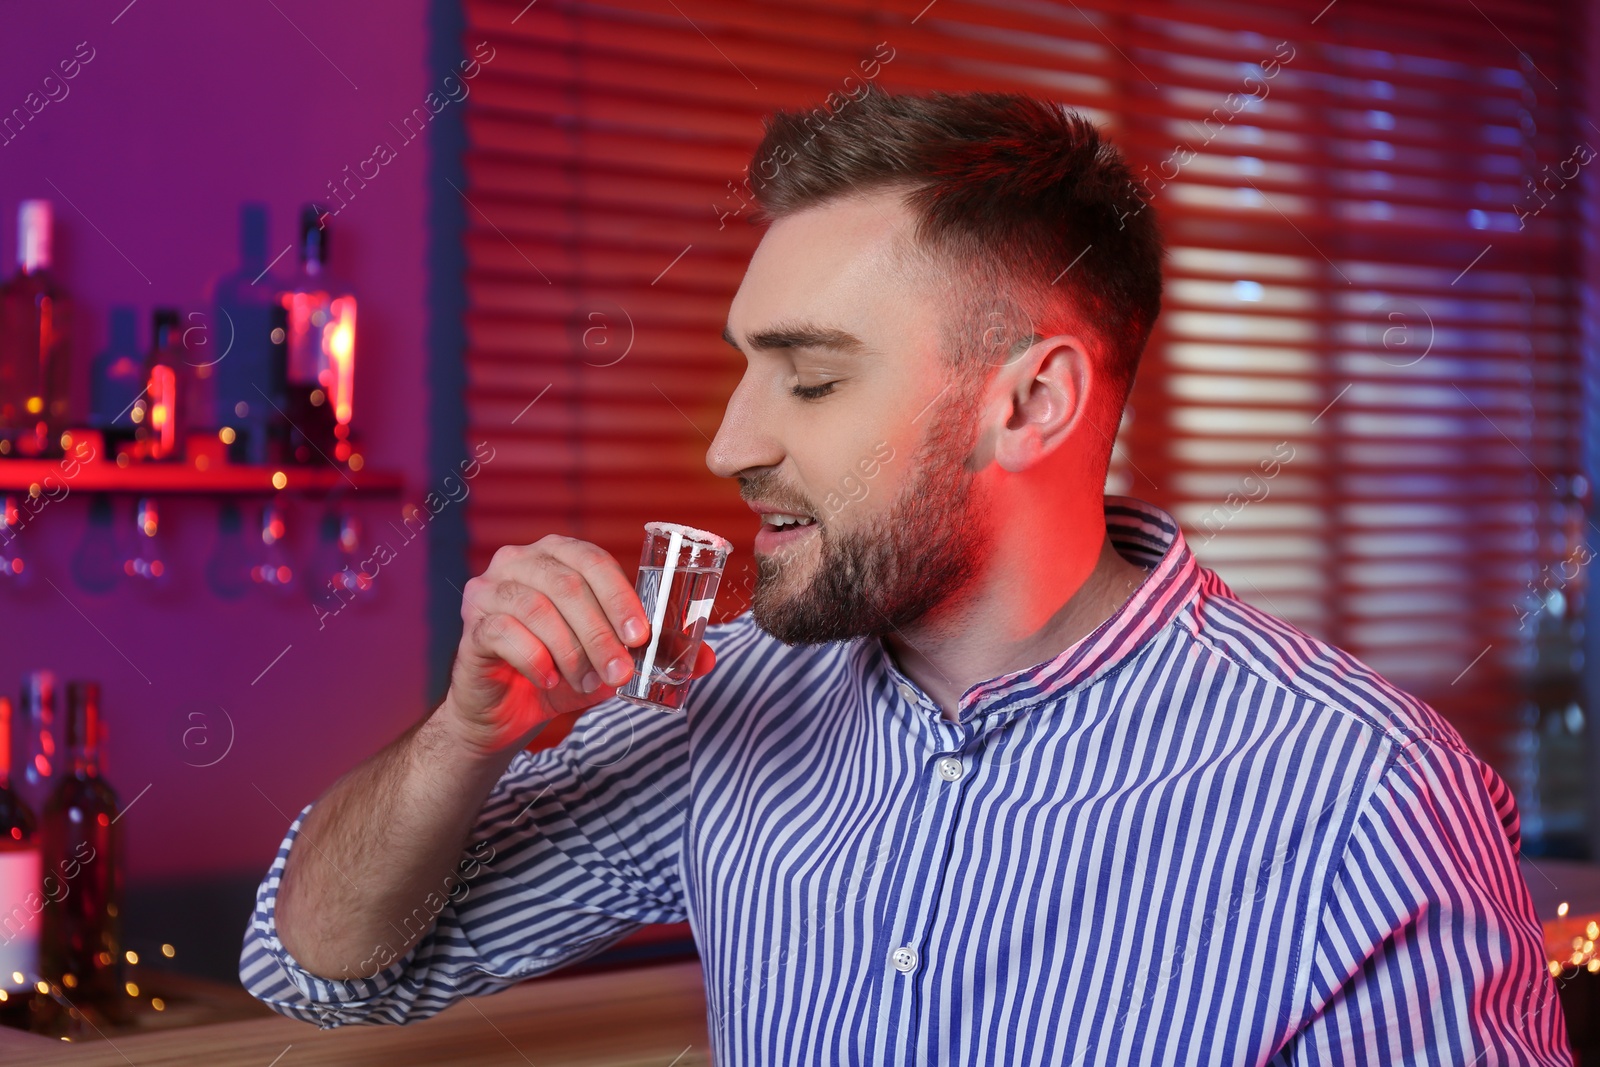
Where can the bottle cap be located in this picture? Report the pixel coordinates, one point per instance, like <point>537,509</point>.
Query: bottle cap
<point>313,238</point>
<point>39,696</point>
<point>167,321</point>
<point>124,328</point>
<point>33,235</point>
<point>253,234</point>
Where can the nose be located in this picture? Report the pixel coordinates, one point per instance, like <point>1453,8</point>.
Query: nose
<point>745,440</point>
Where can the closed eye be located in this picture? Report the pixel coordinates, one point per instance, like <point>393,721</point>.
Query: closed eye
<point>812,392</point>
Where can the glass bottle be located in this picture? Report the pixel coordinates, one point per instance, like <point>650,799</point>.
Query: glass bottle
<point>21,882</point>
<point>80,945</point>
<point>201,357</point>
<point>321,353</point>
<point>39,757</point>
<point>35,343</point>
<point>116,380</point>
<point>250,375</point>
<point>158,414</point>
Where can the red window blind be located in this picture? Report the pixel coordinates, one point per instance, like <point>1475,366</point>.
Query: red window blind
<point>1363,398</point>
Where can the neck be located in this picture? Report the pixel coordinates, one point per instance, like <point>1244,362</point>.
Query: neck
<point>1050,582</point>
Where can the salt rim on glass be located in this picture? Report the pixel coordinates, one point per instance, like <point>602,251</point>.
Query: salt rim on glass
<point>701,538</point>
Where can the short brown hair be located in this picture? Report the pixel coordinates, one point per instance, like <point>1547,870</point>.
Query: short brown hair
<point>1012,194</point>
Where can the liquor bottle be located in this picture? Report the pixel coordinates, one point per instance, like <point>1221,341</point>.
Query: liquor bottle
<point>250,377</point>
<point>199,363</point>
<point>80,942</point>
<point>321,350</point>
<point>39,756</point>
<point>116,379</point>
<point>158,414</point>
<point>21,883</point>
<point>35,343</point>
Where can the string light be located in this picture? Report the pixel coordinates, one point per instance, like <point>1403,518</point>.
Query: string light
<point>70,981</point>
<point>1583,946</point>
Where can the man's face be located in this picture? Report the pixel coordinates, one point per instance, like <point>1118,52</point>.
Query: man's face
<point>876,449</point>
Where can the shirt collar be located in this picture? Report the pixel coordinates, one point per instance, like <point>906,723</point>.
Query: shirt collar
<point>1143,534</point>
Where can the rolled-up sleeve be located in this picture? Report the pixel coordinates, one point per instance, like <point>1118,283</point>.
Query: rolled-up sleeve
<point>576,846</point>
<point>1429,949</point>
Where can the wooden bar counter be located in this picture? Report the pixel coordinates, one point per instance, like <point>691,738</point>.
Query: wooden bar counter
<point>650,1014</point>
<point>644,1015</point>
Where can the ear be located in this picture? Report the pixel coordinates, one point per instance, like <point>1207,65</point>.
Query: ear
<point>1048,390</point>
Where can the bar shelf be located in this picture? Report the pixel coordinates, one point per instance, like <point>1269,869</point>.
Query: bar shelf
<point>24,475</point>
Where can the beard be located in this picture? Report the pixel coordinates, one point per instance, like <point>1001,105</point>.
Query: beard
<point>888,573</point>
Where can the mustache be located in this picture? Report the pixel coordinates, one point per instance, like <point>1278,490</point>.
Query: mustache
<point>759,489</point>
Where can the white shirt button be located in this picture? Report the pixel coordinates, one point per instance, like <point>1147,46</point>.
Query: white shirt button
<point>950,768</point>
<point>908,693</point>
<point>905,959</point>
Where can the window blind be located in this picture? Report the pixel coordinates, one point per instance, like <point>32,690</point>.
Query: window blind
<point>1363,397</point>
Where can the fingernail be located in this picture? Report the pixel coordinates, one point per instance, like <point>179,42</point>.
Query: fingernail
<point>591,682</point>
<point>633,630</point>
<point>618,671</point>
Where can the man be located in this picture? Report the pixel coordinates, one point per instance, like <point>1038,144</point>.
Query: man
<point>993,772</point>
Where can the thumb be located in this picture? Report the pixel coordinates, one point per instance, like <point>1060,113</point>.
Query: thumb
<point>704,660</point>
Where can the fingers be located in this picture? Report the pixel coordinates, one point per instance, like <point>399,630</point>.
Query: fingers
<point>577,612</point>
<point>612,589</point>
<point>502,637</point>
<point>705,659</point>
<point>557,605</point>
<point>539,615</point>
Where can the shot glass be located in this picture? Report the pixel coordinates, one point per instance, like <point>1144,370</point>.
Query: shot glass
<point>679,569</point>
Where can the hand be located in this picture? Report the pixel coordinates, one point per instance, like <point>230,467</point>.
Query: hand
<point>547,631</point>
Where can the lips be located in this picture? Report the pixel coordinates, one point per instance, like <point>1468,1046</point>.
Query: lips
<point>780,527</point>
<point>781,521</point>
<point>768,510</point>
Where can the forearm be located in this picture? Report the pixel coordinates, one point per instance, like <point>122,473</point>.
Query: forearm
<point>377,844</point>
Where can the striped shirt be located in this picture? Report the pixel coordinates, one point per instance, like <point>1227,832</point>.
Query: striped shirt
<point>1197,835</point>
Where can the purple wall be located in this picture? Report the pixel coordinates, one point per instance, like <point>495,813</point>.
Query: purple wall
<point>184,110</point>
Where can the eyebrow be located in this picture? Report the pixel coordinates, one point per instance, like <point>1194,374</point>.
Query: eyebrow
<point>801,335</point>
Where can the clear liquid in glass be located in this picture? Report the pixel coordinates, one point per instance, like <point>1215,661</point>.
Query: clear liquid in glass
<point>663,665</point>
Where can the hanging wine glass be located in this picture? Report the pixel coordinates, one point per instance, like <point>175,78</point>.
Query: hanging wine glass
<point>15,573</point>
<point>228,572</point>
<point>95,565</point>
<point>332,584</point>
<point>357,582</point>
<point>273,569</point>
<point>146,560</point>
